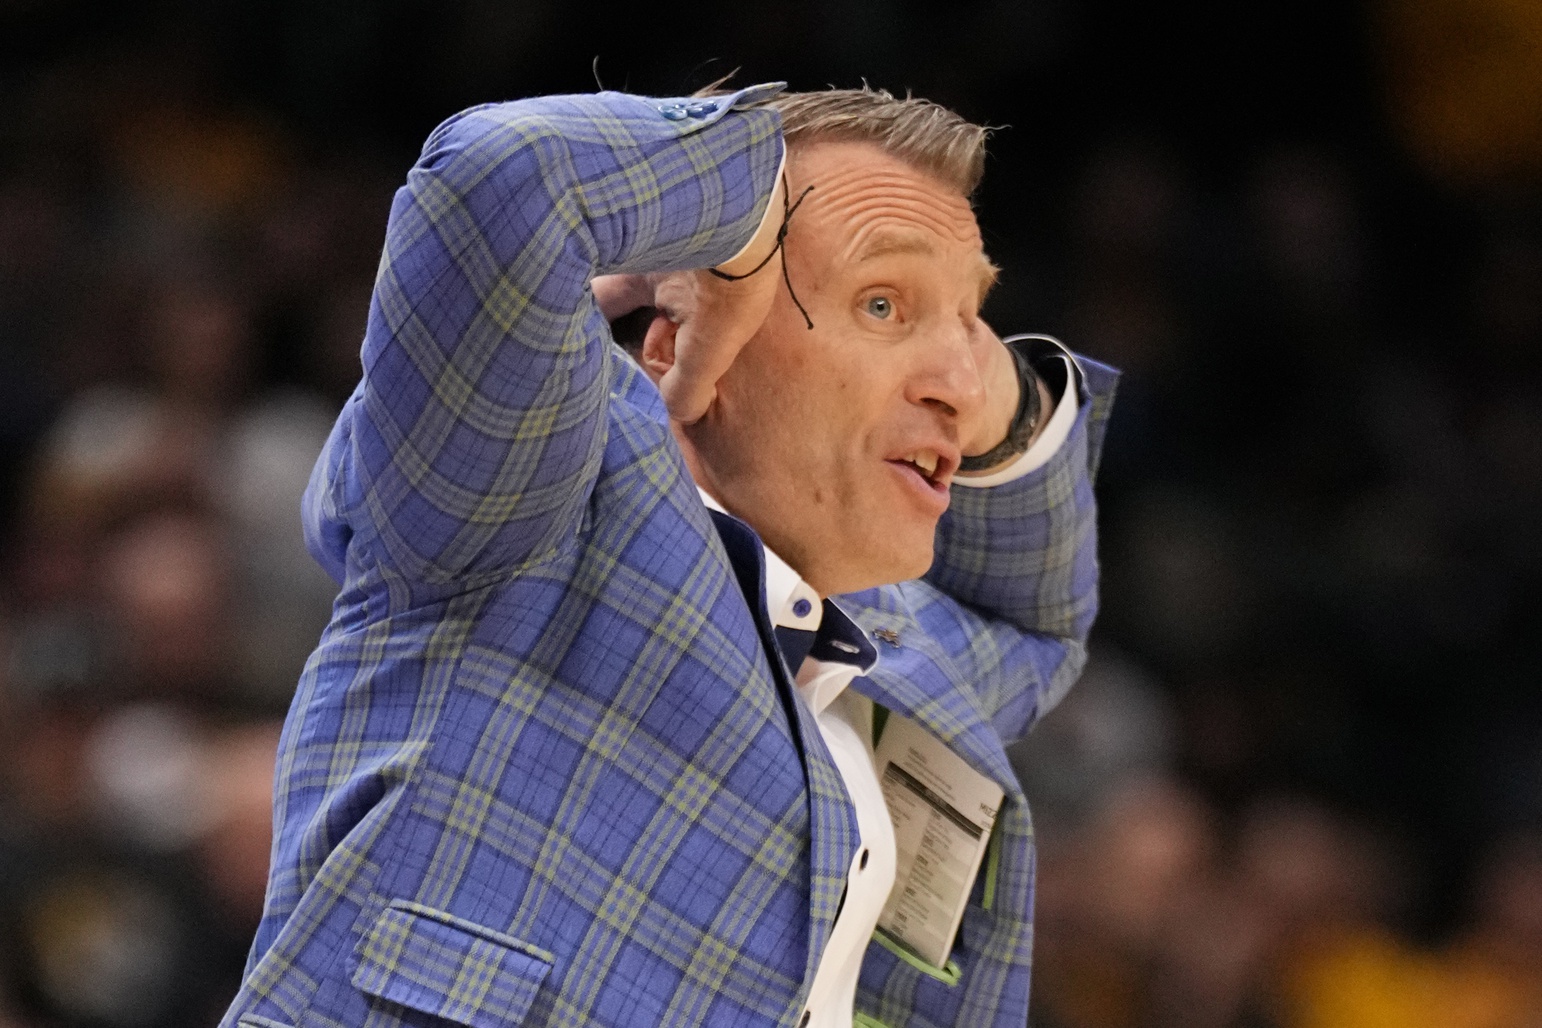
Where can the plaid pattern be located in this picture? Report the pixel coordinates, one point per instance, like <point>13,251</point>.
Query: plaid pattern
<point>539,770</point>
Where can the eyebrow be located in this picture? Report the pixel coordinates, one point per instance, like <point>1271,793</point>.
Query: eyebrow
<point>888,244</point>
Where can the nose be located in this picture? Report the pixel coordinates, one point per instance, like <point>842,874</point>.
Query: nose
<point>947,376</point>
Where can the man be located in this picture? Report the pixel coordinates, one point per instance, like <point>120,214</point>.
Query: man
<point>575,750</point>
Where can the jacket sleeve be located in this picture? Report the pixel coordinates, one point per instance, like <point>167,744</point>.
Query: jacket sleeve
<point>473,441</point>
<point>1013,590</point>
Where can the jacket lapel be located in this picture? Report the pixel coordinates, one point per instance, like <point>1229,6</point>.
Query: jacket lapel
<point>832,821</point>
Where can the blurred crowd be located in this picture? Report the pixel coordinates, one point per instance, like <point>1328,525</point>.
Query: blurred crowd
<point>1299,787</point>
<point>182,295</point>
<point>1163,906</point>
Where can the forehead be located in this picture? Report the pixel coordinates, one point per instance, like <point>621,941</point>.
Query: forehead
<point>866,204</point>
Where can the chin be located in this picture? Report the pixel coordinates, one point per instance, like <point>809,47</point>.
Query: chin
<point>919,564</point>
<point>888,569</point>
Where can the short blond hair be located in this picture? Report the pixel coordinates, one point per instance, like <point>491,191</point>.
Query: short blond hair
<point>925,135</point>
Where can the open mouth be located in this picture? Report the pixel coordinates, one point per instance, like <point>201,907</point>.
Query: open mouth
<point>925,462</point>
<point>933,469</point>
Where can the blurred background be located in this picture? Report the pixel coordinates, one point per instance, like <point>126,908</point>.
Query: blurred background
<point>1301,783</point>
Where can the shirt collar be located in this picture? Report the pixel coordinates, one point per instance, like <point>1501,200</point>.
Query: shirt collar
<point>839,641</point>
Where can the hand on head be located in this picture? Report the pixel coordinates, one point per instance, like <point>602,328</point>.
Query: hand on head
<point>703,323</point>
<point>837,432</point>
<point>703,319</point>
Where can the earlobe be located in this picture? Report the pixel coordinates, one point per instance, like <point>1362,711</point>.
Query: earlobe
<point>658,349</point>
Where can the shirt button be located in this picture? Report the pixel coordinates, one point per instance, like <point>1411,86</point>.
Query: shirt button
<point>673,112</point>
<point>701,110</point>
<point>806,1015</point>
<point>801,608</point>
<point>862,865</point>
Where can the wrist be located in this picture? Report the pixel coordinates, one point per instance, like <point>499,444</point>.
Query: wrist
<point>755,252</point>
<point>1033,400</point>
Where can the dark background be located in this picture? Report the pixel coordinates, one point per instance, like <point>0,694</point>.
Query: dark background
<point>1308,751</point>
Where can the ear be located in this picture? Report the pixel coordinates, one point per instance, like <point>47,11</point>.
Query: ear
<point>658,349</point>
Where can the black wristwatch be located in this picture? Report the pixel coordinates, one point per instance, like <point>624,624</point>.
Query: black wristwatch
<point>1023,422</point>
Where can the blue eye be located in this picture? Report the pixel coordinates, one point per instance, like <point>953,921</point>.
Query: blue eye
<point>880,307</point>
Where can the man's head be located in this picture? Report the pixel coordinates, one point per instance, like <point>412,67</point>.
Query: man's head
<point>837,442</point>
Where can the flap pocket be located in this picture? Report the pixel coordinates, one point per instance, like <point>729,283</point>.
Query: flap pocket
<point>442,965</point>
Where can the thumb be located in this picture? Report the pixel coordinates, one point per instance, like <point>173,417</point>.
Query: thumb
<point>676,367</point>
<point>618,295</point>
<point>689,384</point>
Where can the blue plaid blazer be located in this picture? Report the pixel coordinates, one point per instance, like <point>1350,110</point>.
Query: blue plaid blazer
<point>544,767</point>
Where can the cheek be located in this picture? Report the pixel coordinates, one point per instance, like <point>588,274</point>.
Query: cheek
<point>767,415</point>
<point>797,383</point>
<point>835,405</point>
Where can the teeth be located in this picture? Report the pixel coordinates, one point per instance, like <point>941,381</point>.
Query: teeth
<point>926,460</point>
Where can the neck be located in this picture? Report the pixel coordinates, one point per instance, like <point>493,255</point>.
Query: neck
<point>705,482</point>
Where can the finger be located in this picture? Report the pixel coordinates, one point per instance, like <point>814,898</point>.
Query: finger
<point>1000,382</point>
<point>686,400</point>
<point>618,295</point>
<point>686,380</point>
<point>690,384</point>
<point>686,394</point>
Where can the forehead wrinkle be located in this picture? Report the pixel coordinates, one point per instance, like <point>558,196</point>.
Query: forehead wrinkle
<point>890,228</point>
<point>873,210</point>
<point>859,193</point>
<point>844,182</point>
<point>887,241</point>
<point>852,204</point>
<point>882,236</point>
